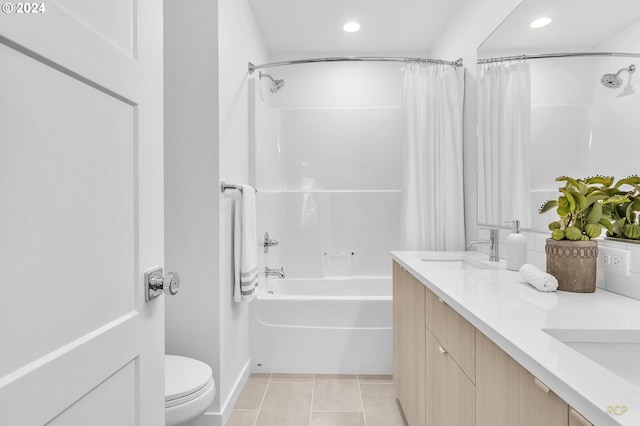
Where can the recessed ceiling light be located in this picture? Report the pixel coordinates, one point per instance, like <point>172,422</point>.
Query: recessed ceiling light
<point>539,23</point>
<point>351,27</point>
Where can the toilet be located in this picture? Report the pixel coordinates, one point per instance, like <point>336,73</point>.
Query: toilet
<point>189,389</point>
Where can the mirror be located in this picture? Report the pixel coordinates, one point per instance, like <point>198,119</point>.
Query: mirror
<point>566,122</point>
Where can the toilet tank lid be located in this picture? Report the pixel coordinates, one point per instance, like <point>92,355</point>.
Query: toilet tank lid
<point>183,376</point>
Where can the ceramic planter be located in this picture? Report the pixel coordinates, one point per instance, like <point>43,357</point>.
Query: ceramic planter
<point>573,263</point>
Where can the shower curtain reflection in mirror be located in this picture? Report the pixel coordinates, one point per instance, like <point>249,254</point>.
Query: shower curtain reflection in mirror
<point>504,116</point>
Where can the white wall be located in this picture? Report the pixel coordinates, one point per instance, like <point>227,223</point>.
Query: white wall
<point>207,47</point>
<point>191,180</point>
<point>239,43</point>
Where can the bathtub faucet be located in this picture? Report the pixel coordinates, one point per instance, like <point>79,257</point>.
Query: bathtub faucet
<point>268,242</point>
<point>274,272</point>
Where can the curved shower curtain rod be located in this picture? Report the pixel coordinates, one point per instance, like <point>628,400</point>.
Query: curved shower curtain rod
<point>456,63</point>
<point>554,55</point>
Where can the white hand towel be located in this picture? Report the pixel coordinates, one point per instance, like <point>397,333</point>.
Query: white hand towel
<point>245,246</point>
<point>540,280</point>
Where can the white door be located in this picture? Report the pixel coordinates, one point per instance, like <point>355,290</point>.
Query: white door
<point>81,202</point>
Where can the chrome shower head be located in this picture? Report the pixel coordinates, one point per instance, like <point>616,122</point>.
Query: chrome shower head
<point>613,81</point>
<point>276,85</point>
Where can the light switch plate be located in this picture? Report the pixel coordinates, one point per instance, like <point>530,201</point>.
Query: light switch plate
<point>614,260</point>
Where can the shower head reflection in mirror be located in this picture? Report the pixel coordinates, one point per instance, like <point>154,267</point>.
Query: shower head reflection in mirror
<point>613,81</point>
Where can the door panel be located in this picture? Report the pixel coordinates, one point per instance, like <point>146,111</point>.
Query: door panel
<point>68,179</point>
<point>81,214</point>
<point>105,401</point>
<point>112,19</point>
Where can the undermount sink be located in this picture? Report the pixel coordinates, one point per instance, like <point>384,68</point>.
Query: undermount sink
<point>616,350</point>
<point>451,264</point>
<point>453,261</point>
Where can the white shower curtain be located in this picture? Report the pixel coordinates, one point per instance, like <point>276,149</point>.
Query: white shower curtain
<point>433,198</point>
<point>504,116</point>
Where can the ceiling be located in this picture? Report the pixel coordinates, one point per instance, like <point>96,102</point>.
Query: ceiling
<point>389,27</point>
<point>577,24</point>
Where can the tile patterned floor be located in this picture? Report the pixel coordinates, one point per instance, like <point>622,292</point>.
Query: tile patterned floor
<point>317,400</point>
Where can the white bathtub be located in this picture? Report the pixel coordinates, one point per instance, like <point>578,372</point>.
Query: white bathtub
<point>331,325</point>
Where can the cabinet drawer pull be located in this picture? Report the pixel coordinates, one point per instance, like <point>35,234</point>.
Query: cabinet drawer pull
<point>442,350</point>
<point>541,385</point>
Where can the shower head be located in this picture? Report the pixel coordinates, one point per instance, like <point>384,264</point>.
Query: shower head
<point>613,81</point>
<point>276,85</point>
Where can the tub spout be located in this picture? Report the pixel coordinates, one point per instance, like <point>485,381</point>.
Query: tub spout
<point>274,272</point>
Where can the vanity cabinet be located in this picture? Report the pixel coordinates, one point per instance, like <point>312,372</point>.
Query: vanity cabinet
<point>433,356</point>
<point>447,373</point>
<point>507,394</point>
<point>409,344</point>
<point>450,365</point>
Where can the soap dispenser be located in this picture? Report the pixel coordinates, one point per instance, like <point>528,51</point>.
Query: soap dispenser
<point>516,247</point>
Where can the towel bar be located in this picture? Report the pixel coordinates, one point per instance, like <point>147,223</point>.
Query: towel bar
<point>224,186</point>
<point>339,253</point>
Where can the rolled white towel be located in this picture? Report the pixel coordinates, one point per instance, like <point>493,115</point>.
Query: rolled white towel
<point>540,280</point>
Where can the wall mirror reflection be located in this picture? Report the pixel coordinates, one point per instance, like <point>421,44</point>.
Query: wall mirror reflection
<point>572,107</point>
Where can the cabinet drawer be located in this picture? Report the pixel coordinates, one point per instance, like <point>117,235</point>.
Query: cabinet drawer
<point>576,419</point>
<point>461,342</point>
<point>508,395</point>
<point>436,312</point>
<point>453,331</point>
<point>451,396</point>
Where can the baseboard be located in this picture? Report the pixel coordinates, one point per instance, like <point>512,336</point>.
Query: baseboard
<point>212,418</point>
<point>237,388</point>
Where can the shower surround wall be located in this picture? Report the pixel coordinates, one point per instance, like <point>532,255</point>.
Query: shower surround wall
<point>328,161</point>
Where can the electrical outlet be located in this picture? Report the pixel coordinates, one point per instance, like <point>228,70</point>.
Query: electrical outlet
<point>614,260</point>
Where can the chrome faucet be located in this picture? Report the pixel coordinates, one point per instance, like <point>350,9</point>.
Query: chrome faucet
<point>274,272</point>
<point>494,251</point>
<point>268,242</point>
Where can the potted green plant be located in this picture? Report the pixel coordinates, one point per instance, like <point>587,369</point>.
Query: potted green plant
<point>584,208</point>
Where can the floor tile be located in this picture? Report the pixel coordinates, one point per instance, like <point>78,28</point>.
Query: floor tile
<point>251,396</point>
<point>382,412</point>
<point>280,399</point>
<point>242,418</point>
<point>261,375</point>
<point>281,377</point>
<point>286,404</point>
<point>375,378</point>
<point>336,377</point>
<point>371,391</point>
<point>336,419</point>
<point>336,395</point>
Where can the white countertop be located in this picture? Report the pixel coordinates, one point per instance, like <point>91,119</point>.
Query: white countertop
<point>513,314</point>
